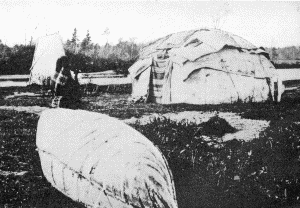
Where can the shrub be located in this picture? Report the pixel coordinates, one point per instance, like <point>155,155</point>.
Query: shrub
<point>284,65</point>
<point>87,64</point>
<point>19,60</point>
<point>216,126</point>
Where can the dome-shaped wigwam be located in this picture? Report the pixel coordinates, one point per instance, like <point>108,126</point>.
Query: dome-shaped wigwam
<point>205,66</point>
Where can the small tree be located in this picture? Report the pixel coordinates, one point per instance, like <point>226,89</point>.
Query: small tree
<point>86,43</point>
<point>74,36</point>
<point>274,54</point>
<point>96,51</point>
<point>106,33</point>
<point>72,45</point>
<point>74,41</point>
<point>220,14</point>
<point>134,51</point>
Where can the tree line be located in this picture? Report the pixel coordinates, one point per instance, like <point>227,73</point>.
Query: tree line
<point>90,57</point>
<point>286,57</point>
<point>84,55</point>
<point>16,59</point>
<point>285,53</point>
<point>87,56</point>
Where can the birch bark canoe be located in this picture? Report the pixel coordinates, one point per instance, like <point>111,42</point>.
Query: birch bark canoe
<point>102,162</point>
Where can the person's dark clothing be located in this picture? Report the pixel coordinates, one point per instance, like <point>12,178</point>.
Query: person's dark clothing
<point>67,89</point>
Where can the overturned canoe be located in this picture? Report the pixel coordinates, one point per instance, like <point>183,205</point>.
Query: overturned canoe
<point>102,162</point>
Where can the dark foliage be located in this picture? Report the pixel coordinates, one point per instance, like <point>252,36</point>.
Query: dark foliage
<point>90,57</point>
<point>295,65</point>
<point>216,126</point>
<point>86,64</point>
<point>18,61</point>
<point>79,62</point>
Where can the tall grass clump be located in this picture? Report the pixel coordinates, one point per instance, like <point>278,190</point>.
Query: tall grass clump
<point>209,172</point>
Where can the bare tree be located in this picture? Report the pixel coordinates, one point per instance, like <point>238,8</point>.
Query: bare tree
<point>219,17</point>
<point>131,40</point>
<point>106,33</point>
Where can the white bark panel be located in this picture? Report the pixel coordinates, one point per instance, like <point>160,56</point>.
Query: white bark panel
<point>102,162</point>
<point>48,50</point>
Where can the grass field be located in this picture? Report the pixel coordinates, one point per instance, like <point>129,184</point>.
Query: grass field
<point>263,172</point>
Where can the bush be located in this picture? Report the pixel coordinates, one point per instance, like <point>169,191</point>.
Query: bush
<point>19,60</point>
<point>287,65</point>
<point>216,126</point>
<point>87,64</point>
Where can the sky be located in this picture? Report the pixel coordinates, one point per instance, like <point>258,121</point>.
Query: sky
<point>263,23</point>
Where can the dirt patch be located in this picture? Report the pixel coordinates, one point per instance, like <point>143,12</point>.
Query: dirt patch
<point>29,109</point>
<point>22,94</point>
<point>247,129</point>
<point>12,83</point>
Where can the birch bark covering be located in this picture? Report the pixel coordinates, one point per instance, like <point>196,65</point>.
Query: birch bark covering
<point>48,49</point>
<point>203,66</point>
<point>102,162</point>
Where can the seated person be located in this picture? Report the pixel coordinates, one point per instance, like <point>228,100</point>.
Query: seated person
<point>66,88</point>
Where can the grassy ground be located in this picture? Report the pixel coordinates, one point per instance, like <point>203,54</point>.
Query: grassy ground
<point>208,172</point>
<point>114,102</point>
<point>219,177</point>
